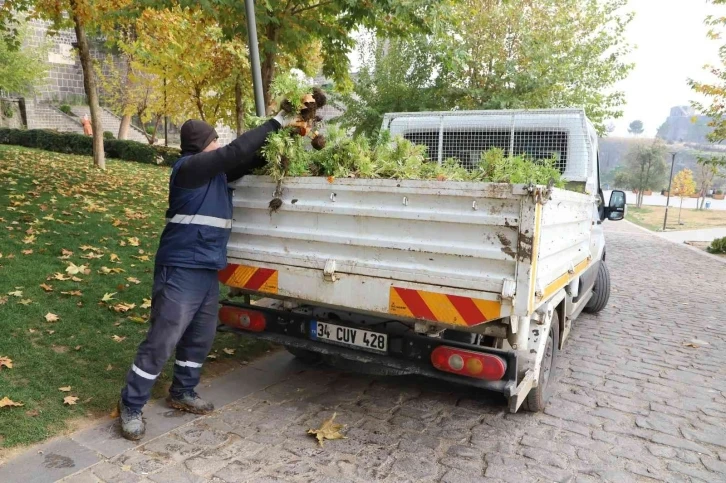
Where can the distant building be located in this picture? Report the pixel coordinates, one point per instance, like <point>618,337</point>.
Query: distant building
<point>684,126</point>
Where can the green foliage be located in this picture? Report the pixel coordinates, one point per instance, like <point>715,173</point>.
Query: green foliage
<point>394,76</point>
<point>288,86</point>
<point>108,135</point>
<point>718,246</point>
<point>356,157</point>
<point>493,54</point>
<point>7,109</point>
<point>315,36</point>
<point>285,155</point>
<point>21,67</point>
<point>66,109</point>
<point>498,168</point>
<point>645,169</point>
<point>70,143</point>
<point>636,127</point>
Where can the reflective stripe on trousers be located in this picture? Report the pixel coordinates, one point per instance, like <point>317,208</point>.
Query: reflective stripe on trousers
<point>200,220</point>
<point>184,308</point>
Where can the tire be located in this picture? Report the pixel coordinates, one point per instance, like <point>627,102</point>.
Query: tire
<point>304,355</point>
<point>538,396</point>
<point>600,291</point>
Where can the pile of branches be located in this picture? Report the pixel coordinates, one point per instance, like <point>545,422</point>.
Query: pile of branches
<point>398,158</point>
<point>301,150</point>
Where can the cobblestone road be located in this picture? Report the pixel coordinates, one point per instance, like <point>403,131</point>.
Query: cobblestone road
<point>633,403</point>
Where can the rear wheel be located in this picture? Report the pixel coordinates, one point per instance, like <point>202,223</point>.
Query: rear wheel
<point>309,357</point>
<point>538,396</point>
<point>600,290</point>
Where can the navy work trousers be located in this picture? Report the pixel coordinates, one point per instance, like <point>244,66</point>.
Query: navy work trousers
<point>184,304</point>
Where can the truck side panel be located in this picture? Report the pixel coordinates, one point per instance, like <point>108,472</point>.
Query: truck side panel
<point>410,232</point>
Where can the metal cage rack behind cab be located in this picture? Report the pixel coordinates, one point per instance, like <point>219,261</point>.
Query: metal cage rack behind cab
<point>564,135</point>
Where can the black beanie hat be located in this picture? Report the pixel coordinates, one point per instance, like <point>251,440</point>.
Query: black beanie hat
<point>196,135</point>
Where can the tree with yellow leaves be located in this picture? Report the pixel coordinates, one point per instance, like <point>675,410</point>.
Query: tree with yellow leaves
<point>207,74</point>
<point>683,187</point>
<point>82,16</point>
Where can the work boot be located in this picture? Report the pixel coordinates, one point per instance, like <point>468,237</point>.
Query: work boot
<point>133,426</point>
<point>190,402</point>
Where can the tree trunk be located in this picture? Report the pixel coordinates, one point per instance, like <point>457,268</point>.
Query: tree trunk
<point>679,212</point>
<point>123,129</point>
<point>268,66</point>
<point>239,107</point>
<point>89,85</point>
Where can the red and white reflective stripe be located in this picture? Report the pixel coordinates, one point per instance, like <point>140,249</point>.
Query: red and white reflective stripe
<point>143,374</point>
<point>187,364</point>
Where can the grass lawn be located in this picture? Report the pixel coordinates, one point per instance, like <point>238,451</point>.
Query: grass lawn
<point>651,217</point>
<point>76,264</point>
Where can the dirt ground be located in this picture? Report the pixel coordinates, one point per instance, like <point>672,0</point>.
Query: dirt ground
<point>703,246</point>
<point>651,217</point>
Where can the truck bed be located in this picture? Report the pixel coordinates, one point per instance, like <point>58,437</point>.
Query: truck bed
<point>452,253</point>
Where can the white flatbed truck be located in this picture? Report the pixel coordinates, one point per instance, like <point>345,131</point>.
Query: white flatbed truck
<point>473,283</point>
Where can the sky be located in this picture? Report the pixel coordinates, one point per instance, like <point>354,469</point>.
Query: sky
<point>671,46</point>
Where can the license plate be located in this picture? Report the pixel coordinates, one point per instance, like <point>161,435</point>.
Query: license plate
<point>337,334</point>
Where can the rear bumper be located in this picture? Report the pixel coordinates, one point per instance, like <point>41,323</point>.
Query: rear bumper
<point>408,352</point>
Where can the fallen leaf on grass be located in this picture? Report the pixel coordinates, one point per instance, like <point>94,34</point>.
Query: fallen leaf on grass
<point>229,352</point>
<point>70,400</point>
<point>46,287</point>
<point>76,279</point>
<point>77,348</point>
<point>17,293</point>
<point>50,332</point>
<point>137,319</point>
<point>7,402</point>
<point>65,389</point>
<point>66,253</point>
<point>27,252</point>
<point>92,256</point>
<point>6,361</point>
<point>114,258</point>
<point>123,307</point>
<point>133,241</point>
<point>146,304</point>
<point>29,239</point>
<point>109,367</point>
<point>114,414</point>
<point>3,300</point>
<point>50,317</point>
<point>107,297</point>
<point>60,276</point>
<point>32,331</point>
<point>74,293</point>
<point>73,269</point>
<point>25,302</point>
<point>329,430</point>
<point>211,356</point>
<point>134,280</point>
<point>33,413</point>
<point>143,258</point>
<point>118,338</point>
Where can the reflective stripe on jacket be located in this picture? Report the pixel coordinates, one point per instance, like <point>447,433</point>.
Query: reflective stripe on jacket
<point>199,222</point>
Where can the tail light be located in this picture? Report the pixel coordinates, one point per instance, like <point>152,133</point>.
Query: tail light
<point>242,318</point>
<point>468,363</point>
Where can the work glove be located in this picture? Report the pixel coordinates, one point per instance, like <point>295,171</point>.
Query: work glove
<point>285,118</point>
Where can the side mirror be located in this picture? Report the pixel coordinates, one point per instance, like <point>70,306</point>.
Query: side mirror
<point>616,207</point>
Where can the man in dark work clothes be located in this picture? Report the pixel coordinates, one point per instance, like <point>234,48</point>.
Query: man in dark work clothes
<point>192,249</point>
